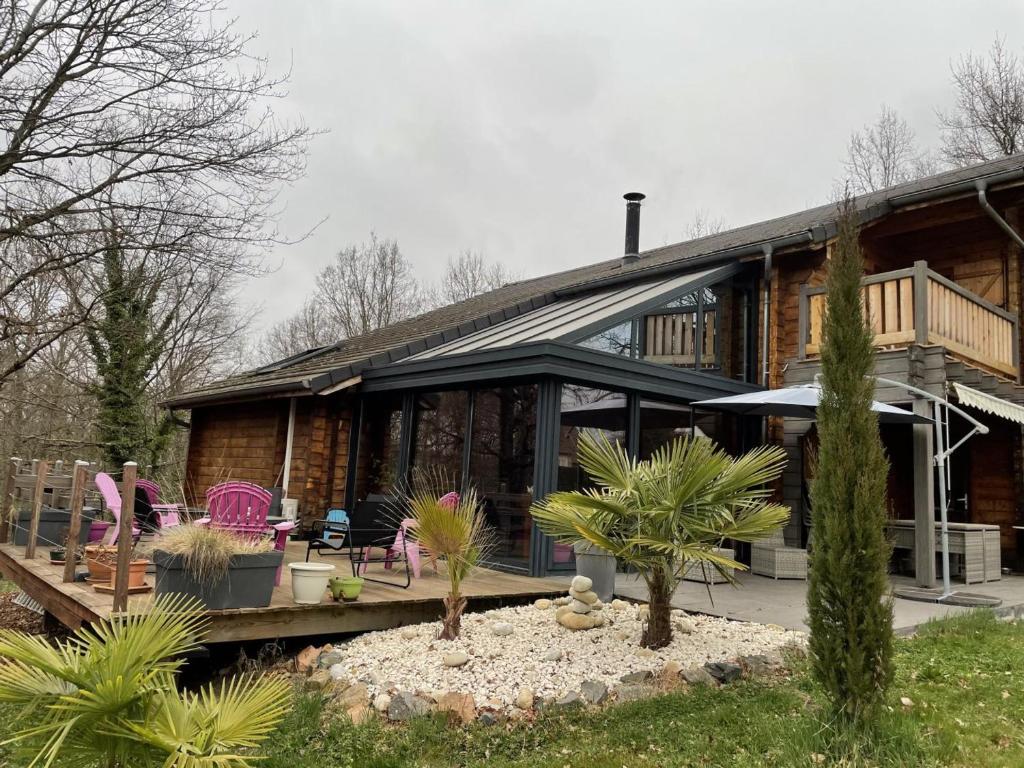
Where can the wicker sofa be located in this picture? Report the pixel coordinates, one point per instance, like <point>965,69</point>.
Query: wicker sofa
<point>771,557</point>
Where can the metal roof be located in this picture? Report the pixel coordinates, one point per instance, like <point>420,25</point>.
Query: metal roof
<point>577,317</point>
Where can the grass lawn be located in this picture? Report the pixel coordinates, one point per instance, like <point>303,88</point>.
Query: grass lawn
<point>965,677</point>
<point>955,672</point>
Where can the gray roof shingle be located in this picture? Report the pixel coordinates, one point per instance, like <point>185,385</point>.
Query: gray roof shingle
<point>339,361</point>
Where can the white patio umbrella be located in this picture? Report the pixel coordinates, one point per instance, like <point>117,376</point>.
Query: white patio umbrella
<point>801,402</point>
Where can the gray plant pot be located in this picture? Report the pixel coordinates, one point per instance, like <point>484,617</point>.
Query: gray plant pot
<point>53,526</point>
<point>598,566</point>
<point>248,583</point>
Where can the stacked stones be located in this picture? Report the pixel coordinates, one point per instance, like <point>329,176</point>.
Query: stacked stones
<point>582,608</point>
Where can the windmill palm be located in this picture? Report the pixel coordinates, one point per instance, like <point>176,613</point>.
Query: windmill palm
<point>106,696</point>
<point>659,514</point>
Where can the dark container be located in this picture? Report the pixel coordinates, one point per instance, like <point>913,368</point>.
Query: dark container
<point>53,526</point>
<point>248,583</point>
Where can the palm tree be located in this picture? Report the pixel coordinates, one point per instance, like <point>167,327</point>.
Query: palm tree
<point>452,529</point>
<point>106,696</point>
<point>656,515</point>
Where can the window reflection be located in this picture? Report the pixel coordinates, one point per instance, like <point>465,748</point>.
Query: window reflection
<point>379,445</point>
<point>501,466</point>
<point>439,434</point>
<point>617,340</point>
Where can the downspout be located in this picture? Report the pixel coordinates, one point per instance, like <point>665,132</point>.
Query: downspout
<point>768,250</point>
<point>994,214</point>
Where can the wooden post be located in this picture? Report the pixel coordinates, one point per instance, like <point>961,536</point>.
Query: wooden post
<point>6,524</point>
<point>41,468</point>
<point>124,536</point>
<point>75,525</point>
<point>921,314</point>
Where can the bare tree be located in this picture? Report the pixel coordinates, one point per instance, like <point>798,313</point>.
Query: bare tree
<point>365,287</point>
<point>704,225</point>
<point>470,274</point>
<point>149,109</point>
<point>988,119</point>
<point>884,153</point>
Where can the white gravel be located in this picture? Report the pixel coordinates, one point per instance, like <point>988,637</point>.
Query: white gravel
<point>412,658</point>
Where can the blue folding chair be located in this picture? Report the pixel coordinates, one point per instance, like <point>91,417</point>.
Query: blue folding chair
<point>329,533</point>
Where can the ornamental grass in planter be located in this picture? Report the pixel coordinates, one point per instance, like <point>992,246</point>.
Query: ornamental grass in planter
<point>217,567</point>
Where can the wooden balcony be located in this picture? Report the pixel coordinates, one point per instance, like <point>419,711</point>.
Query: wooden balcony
<point>918,306</point>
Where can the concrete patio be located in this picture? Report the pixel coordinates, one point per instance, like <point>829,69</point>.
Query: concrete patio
<point>784,602</point>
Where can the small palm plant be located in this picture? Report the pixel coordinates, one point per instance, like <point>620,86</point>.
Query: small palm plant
<point>676,507</point>
<point>452,529</point>
<point>107,697</point>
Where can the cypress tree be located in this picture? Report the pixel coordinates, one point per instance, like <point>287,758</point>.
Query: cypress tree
<point>848,603</point>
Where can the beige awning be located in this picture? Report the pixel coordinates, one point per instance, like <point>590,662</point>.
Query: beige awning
<point>988,403</point>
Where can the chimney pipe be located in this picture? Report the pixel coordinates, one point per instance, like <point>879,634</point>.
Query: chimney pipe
<point>632,252</point>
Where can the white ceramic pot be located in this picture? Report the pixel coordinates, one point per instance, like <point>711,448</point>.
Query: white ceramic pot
<point>309,582</point>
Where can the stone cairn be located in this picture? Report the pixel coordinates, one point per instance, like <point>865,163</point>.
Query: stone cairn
<point>581,609</point>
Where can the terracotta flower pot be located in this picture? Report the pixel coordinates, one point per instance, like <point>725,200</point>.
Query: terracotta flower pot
<point>136,573</point>
<point>100,560</point>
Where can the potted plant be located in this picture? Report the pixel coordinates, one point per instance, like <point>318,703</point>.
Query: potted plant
<point>136,573</point>
<point>100,558</point>
<point>309,582</point>
<point>346,588</point>
<point>219,568</point>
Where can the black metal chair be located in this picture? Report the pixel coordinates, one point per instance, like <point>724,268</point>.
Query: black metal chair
<point>372,528</point>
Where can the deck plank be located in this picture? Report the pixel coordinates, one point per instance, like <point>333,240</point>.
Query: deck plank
<point>380,606</point>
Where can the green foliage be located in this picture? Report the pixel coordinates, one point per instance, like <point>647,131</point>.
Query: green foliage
<point>848,603</point>
<point>207,550</point>
<point>126,343</point>
<point>454,533</point>
<point>657,514</point>
<point>106,696</point>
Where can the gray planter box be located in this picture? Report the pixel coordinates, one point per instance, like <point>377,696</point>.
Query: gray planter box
<point>249,582</point>
<point>53,526</point>
<point>598,566</point>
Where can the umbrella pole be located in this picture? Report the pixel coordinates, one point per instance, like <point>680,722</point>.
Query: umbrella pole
<point>940,467</point>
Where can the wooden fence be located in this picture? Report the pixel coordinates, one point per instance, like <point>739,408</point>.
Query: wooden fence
<point>35,483</point>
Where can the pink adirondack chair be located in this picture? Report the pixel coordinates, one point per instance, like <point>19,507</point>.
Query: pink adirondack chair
<point>243,507</point>
<point>112,498</point>
<point>404,544</point>
<point>167,515</point>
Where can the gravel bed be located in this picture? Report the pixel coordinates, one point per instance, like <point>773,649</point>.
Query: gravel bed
<point>412,658</point>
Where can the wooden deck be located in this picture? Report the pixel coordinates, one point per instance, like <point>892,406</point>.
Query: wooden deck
<point>379,606</point>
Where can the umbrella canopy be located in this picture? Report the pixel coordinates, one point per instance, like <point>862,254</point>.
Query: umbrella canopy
<point>799,402</point>
<point>611,413</point>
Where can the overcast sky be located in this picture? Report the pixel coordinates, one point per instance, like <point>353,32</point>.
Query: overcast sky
<point>514,128</point>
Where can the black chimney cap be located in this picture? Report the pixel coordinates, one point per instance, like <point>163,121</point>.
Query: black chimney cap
<point>634,197</point>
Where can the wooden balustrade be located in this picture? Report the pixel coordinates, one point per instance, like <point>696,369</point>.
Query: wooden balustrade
<point>672,338</point>
<point>919,306</point>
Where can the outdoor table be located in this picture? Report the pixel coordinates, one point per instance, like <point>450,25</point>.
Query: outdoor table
<point>976,545</point>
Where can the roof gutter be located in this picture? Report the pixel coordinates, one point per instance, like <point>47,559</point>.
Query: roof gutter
<point>295,388</point>
<point>816,235</point>
<point>994,214</point>
<point>967,185</point>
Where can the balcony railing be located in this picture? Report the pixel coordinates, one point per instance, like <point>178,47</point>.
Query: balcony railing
<point>918,306</point>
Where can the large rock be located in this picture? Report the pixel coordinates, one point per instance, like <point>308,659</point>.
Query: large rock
<point>632,678</point>
<point>758,665</point>
<point>502,628</point>
<point>589,597</point>
<point>359,713</point>
<point>697,676</point>
<point>619,605</point>
<point>318,681</point>
<point>562,600</point>
<point>578,621</point>
<point>338,672</point>
<point>634,692</point>
<point>561,610</point>
<point>570,699</point>
<point>724,671</point>
<point>456,659</point>
<point>578,606</point>
<point>543,604</point>
<point>487,717</point>
<point>671,670</point>
<point>381,702</point>
<point>354,695</point>
<point>330,658</point>
<point>683,626</point>
<point>581,584</point>
<point>306,659</point>
<point>409,633</point>
<point>524,699</point>
<point>405,706</point>
<point>594,691</point>
<point>460,704</point>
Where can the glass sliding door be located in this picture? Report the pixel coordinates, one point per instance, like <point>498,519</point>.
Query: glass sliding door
<point>584,410</point>
<point>501,461</point>
<point>379,446</point>
<point>439,435</point>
